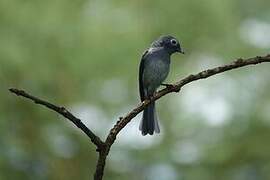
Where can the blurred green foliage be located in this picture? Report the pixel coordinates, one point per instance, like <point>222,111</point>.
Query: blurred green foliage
<point>85,55</point>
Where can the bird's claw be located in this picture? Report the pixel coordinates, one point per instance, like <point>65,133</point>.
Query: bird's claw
<point>168,85</point>
<point>171,86</point>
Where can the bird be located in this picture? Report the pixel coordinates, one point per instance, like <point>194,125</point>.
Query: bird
<point>153,70</point>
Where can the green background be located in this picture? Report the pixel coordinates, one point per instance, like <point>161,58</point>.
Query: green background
<point>85,55</point>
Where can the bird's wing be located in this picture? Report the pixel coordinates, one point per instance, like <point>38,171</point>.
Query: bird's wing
<point>141,71</point>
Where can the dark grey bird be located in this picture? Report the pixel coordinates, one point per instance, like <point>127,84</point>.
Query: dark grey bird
<point>154,68</point>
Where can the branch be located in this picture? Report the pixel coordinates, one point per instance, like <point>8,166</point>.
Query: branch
<point>64,112</point>
<point>104,147</point>
<point>176,87</point>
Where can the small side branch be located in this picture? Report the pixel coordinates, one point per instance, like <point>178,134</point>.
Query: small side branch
<point>64,112</point>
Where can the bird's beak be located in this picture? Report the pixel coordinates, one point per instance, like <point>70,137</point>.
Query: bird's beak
<point>179,50</point>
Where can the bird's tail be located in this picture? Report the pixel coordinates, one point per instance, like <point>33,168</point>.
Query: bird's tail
<point>149,122</point>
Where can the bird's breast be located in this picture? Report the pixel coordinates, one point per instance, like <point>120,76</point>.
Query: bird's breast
<point>155,72</point>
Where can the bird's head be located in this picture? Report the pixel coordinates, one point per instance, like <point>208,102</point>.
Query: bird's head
<point>169,43</point>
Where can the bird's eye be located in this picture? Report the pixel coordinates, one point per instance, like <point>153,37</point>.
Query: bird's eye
<point>173,42</point>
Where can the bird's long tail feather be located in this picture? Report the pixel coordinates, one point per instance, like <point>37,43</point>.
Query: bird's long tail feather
<point>149,122</point>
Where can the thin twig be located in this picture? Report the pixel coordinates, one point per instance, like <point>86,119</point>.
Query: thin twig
<point>64,112</point>
<point>104,147</point>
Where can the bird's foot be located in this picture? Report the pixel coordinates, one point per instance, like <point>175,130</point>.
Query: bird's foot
<point>150,97</point>
<point>167,85</point>
<point>171,86</point>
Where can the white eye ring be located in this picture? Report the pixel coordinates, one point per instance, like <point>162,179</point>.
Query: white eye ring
<point>174,42</point>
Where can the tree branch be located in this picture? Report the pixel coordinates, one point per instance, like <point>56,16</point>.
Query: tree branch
<point>176,87</point>
<point>64,112</point>
<point>104,147</point>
